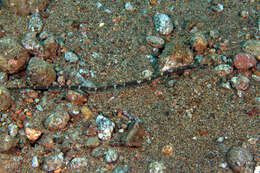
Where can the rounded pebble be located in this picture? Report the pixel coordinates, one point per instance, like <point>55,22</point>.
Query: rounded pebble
<point>223,69</point>
<point>35,23</point>
<point>252,47</point>
<point>244,61</point>
<point>78,162</point>
<point>239,159</point>
<point>157,167</point>
<point>105,127</point>
<point>71,57</point>
<point>163,23</point>
<point>120,169</point>
<point>155,41</point>
<point>111,156</point>
<point>199,42</point>
<point>240,82</point>
<point>5,99</point>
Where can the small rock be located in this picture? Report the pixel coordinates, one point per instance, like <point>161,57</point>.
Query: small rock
<point>13,57</point>
<point>163,23</point>
<point>156,167</point>
<point>41,72</point>
<point>35,23</point>
<point>92,142</point>
<point>7,142</point>
<point>217,7</point>
<point>155,41</point>
<point>5,99</point>
<point>35,162</point>
<point>32,44</point>
<point>71,57</point>
<point>78,162</point>
<point>13,130</point>
<point>120,169</point>
<point>111,156</point>
<point>51,47</point>
<point>240,160</point>
<point>223,69</point>
<point>129,6</point>
<point>53,162</point>
<point>244,13</point>
<point>105,127</point>
<point>58,119</point>
<point>244,61</point>
<point>240,82</point>
<point>32,134</point>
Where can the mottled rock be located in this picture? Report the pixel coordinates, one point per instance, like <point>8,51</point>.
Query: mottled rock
<point>252,47</point>
<point>98,152</point>
<point>53,162</point>
<point>92,142</point>
<point>71,57</point>
<point>120,169</point>
<point>40,72</point>
<point>5,99</point>
<point>32,133</point>
<point>105,127</point>
<point>13,57</point>
<point>58,119</point>
<point>7,142</point>
<point>51,47</point>
<point>163,23</point>
<point>244,61</point>
<point>223,69</point>
<point>111,156</point>
<point>25,7</point>
<point>78,162</point>
<point>240,160</point>
<point>32,44</point>
<point>155,41</point>
<point>156,167</point>
<point>35,23</point>
<point>240,82</point>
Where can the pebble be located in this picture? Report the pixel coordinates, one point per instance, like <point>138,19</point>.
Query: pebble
<point>58,119</point>
<point>244,13</point>
<point>35,23</point>
<point>129,6</point>
<point>7,142</point>
<point>252,47</point>
<point>98,152</point>
<point>13,129</point>
<point>32,133</point>
<point>35,162</point>
<point>239,159</point>
<point>223,69</point>
<point>5,99</point>
<point>53,162</point>
<point>92,142</point>
<point>78,162</point>
<point>40,72</point>
<point>155,41</point>
<point>13,57</point>
<point>120,169</point>
<point>156,167</point>
<point>217,7</point>
<point>105,127</point>
<point>111,156</point>
<point>134,135</point>
<point>240,82</point>
<point>163,23</point>
<point>244,61</point>
<point>71,57</point>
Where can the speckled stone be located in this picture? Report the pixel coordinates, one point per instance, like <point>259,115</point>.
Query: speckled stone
<point>163,23</point>
<point>5,99</point>
<point>244,61</point>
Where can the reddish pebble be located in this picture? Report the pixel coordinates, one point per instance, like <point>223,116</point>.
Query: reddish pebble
<point>244,61</point>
